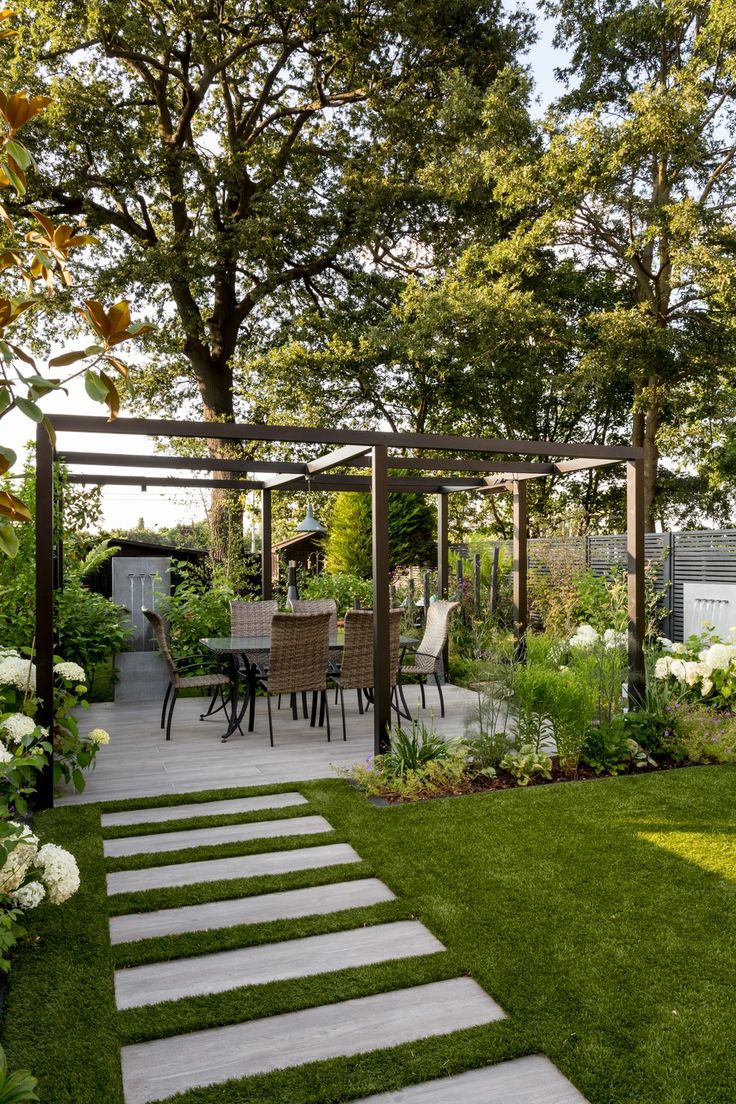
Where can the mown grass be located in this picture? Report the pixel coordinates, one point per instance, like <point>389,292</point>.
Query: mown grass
<point>599,915</point>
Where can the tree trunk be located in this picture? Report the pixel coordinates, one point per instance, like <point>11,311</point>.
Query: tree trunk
<point>227,546</point>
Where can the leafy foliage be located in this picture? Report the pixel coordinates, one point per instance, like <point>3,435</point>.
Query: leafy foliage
<point>411,533</point>
<point>343,588</point>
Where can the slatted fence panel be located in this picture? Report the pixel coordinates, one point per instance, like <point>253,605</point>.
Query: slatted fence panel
<point>701,557</point>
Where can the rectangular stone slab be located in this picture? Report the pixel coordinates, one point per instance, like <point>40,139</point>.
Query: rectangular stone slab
<point>291,958</point>
<point>313,901</point>
<point>532,1080</point>
<point>239,866</point>
<point>163,1067</point>
<point>221,833</point>
<point>228,807</point>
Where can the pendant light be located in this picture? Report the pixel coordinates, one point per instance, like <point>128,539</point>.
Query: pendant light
<point>309,523</point>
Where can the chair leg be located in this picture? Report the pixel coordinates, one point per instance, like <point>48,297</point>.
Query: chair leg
<point>174,696</point>
<point>359,692</point>
<point>294,713</point>
<point>342,710</point>
<point>326,713</point>
<point>305,711</point>
<point>270,721</point>
<point>166,702</point>
<point>400,688</point>
<point>279,702</point>
<point>421,688</point>
<point>313,718</point>
<point>439,691</point>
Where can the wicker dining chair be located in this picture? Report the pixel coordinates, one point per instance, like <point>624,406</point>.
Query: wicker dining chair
<point>298,661</point>
<point>320,605</point>
<point>177,680</point>
<point>427,658</point>
<point>356,671</point>
<point>253,619</point>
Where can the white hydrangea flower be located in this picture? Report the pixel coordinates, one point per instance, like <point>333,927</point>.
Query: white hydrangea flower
<point>59,872</point>
<point>18,673</point>
<point>98,736</point>
<point>679,649</point>
<point>677,670</point>
<point>71,671</point>
<point>665,644</point>
<point>706,687</point>
<point>613,639</point>
<point>20,859</point>
<point>9,652</point>
<point>16,726</point>
<point>663,667</point>
<point>719,656</point>
<point>5,755</point>
<point>585,637</point>
<point>29,896</point>
<point>704,669</point>
<point>703,655</point>
<point>692,674</point>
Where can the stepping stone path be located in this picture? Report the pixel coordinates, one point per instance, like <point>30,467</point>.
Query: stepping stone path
<point>159,1069</point>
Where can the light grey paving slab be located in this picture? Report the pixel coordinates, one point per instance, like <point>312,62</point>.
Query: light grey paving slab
<point>239,866</point>
<point>228,807</point>
<point>532,1080</point>
<point>221,833</point>
<point>312,901</point>
<point>156,1070</point>
<point>292,958</point>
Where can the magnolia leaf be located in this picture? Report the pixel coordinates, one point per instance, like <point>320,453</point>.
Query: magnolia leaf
<point>68,358</point>
<point>41,388</point>
<point>7,459</point>
<point>4,399</point>
<point>15,175</point>
<point>9,542</point>
<point>48,426</point>
<point>95,387</point>
<point>95,314</point>
<point>13,508</point>
<point>20,154</point>
<point>29,408</point>
<point>120,365</point>
<point>94,350</point>
<point>20,107</point>
<point>22,354</point>
<point>45,222</point>
<point>113,398</point>
<point>138,328</point>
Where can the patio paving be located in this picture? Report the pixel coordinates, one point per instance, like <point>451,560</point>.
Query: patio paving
<point>139,762</point>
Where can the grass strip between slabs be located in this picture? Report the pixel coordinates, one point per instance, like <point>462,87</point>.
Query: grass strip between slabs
<point>120,831</point>
<point>165,948</point>
<point>215,851</point>
<point>252,1002</point>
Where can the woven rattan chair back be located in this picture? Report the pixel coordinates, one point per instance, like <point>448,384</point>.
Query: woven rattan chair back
<point>299,652</point>
<point>436,629</point>
<point>251,618</point>
<point>159,631</point>
<point>317,605</point>
<point>356,670</point>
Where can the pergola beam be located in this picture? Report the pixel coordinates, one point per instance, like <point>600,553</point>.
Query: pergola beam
<point>343,455</point>
<point>184,463</point>
<point>164,481</point>
<point>165,427</point>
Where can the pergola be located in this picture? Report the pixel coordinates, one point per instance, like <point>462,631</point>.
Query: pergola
<point>381,455</point>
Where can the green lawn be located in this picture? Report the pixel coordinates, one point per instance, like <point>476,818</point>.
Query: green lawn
<point>600,915</point>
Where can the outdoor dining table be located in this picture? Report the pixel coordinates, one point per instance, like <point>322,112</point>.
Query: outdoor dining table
<point>235,647</point>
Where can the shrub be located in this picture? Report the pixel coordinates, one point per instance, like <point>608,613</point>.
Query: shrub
<point>411,532</point>
<point>697,734</point>
<point>343,588</point>
<point>526,763</point>
<point>198,606</point>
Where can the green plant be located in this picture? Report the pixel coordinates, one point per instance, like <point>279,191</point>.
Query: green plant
<point>15,1088</point>
<point>199,605</point>
<point>343,588</point>
<point>411,750</point>
<point>535,691</point>
<point>610,749</point>
<point>526,763</point>
<point>572,712</point>
<point>73,752</point>
<point>697,734</point>
<point>411,532</point>
<point>91,627</point>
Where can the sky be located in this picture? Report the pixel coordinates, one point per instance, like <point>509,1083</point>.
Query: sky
<point>125,507</point>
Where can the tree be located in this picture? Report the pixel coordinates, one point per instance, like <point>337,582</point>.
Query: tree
<point>243,159</point>
<point>636,177</point>
<point>411,533</point>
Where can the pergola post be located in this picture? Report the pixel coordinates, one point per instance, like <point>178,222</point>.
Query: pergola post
<point>635,560</point>
<point>381,605</point>
<point>443,547</point>
<point>266,566</point>
<point>45,578</point>
<point>519,565</point>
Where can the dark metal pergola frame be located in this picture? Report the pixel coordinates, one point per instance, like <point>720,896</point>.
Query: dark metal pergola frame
<point>368,449</point>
